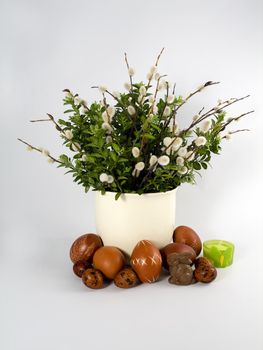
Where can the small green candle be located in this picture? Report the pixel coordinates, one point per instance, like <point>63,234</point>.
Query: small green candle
<point>219,252</point>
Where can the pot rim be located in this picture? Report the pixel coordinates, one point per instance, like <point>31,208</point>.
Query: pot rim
<point>137,194</point>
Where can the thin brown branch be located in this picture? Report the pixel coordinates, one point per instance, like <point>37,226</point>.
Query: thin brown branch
<point>158,57</point>
<point>39,120</point>
<point>202,87</point>
<point>39,150</point>
<point>128,67</point>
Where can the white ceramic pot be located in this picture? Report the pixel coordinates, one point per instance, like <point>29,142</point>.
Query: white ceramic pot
<point>131,218</point>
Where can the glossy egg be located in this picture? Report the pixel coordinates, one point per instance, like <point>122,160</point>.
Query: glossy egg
<point>146,261</point>
<point>79,267</point>
<point>126,278</point>
<point>93,278</point>
<point>186,235</point>
<point>176,248</point>
<point>84,247</point>
<point>109,260</point>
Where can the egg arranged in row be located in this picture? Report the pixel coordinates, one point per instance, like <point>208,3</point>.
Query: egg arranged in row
<point>97,265</point>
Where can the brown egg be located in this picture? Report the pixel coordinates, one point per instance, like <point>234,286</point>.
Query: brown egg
<point>186,235</point>
<point>84,247</point>
<point>109,260</point>
<point>126,278</point>
<point>79,267</point>
<point>176,248</point>
<point>146,261</point>
<point>93,278</point>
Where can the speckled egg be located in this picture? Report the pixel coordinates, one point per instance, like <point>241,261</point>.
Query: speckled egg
<point>126,278</point>
<point>109,260</point>
<point>79,267</point>
<point>93,278</point>
<point>146,261</point>
<point>84,247</point>
<point>186,235</point>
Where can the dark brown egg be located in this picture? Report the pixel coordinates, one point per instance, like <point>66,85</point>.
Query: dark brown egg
<point>126,278</point>
<point>146,261</point>
<point>93,278</point>
<point>186,235</point>
<point>79,267</point>
<point>84,247</point>
<point>109,260</point>
<point>176,248</point>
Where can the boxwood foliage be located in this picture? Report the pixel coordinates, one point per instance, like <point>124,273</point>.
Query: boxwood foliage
<point>102,142</point>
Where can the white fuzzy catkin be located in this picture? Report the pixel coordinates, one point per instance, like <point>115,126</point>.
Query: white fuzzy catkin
<point>206,125</point>
<point>102,89</point>
<point>75,146</point>
<point>140,166</point>
<point>106,126</point>
<point>142,90</point>
<point>151,98</point>
<point>127,86</point>
<point>182,151</point>
<point>195,117</point>
<point>116,94</point>
<point>163,160</point>
<point>155,109</point>
<point>167,111</point>
<point>200,141</point>
<point>84,158</point>
<point>29,148</point>
<point>45,152</point>
<point>50,161</point>
<point>131,110</point>
<point>167,140</point>
<point>149,76</point>
<point>103,177</point>
<point>170,99</point>
<point>177,143</point>
<point>228,136</point>
<point>105,117</point>
<point>169,151</point>
<point>153,160</point>
<point>131,72</point>
<point>108,139</point>
<point>110,179</point>
<point>141,99</point>
<point>180,161</point>
<point>69,134</point>
<point>156,76</point>
<point>111,111</point>
<point>183,170</point>
<point>135,152</point>
<point>153,70</point>
<point>189,156</point>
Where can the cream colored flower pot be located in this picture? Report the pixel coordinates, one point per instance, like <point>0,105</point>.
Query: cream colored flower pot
<point>131,218</point>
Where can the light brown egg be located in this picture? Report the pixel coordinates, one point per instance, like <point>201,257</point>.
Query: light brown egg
<point>176,248</point>
<point>186,235</point>
<point>84,247</point>
<point>146,261</point>
<point>109,260</point>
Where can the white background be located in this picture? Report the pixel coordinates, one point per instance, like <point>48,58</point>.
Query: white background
<point>50,45</point>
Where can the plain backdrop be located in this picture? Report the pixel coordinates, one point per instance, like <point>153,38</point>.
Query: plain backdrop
<point>50,45</point>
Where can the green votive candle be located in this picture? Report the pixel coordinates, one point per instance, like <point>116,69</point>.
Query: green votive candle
<point>219,252</point>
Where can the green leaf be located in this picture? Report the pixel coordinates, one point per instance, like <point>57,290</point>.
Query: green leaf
<point>197,166</point>
<point>117,195</point>
<point>116,148</point>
